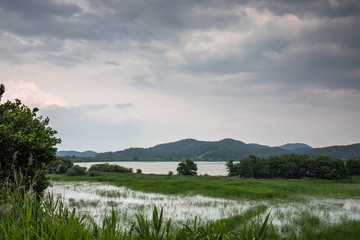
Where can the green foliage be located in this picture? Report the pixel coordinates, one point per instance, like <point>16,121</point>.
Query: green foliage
<point>60,165</point>
<point>138,170</point>
<point>155,229</point>
<point>106,167</point>
<point>93,173</point>
<point>353,165</point>
<point>259,231</point>
<point>187,167</point>
<point>25,140</point>
<point>76,170</point>
<point>326,167</point>
<point>289,167</point>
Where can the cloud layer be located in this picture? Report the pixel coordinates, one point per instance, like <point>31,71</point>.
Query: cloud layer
<point>258,71</point>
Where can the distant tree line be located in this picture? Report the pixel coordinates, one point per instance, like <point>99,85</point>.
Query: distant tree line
<point>293,166</point>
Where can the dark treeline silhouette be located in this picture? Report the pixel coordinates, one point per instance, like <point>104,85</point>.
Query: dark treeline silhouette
<point>294,166</point>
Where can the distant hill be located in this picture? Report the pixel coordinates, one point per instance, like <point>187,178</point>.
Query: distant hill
<point>227,149</point>
<point>344,152</point>
<point>293,146</point>
<point>76,153</point>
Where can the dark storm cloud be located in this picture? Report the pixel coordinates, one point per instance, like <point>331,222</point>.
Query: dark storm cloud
<point>109,20</point>
<point>326,8</point>
<point>328,56</point>
<point>38,9</point>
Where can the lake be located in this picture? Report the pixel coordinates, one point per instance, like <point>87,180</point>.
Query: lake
<point>210,168</point>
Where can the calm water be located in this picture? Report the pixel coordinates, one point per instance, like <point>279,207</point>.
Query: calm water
<point>210,168</point>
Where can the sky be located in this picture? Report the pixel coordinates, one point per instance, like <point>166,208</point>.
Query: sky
<point>114,74</point>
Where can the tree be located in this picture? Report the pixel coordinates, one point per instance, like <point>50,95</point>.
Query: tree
<point>326,167</point>
<point>76,170</point>
<point>233,169</point>
<point>60,165</point>
<point>353,165</point>
<point>187,167</point>
<point>2,90</point>
<point>27,144</point>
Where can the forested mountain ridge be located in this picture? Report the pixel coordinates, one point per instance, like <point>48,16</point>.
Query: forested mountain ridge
<point>228,149</point>
<point>76,153</point>
<point>293,146</point>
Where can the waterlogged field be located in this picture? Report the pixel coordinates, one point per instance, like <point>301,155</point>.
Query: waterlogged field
<point>96,199</point>
<point>290,215</point>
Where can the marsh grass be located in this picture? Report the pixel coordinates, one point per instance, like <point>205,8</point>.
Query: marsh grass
<point>308,225</point>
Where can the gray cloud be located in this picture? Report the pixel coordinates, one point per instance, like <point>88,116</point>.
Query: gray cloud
<point>144,21</point>
<point>332,8</point>
<point>123,105</point>
<point>38,9</point>
<point>233,52</point>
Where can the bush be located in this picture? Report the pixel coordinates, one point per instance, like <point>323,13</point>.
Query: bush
<point>138,170</point>
<point>170,173</point>
<point>187,167</point>
<point>76,171</point>
<point>93,173</point>
<point>106,167</point>
<point>60,165</point>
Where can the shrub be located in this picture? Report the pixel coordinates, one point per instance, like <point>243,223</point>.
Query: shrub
<point>138,170</point>
<point>106,167</point>
<point>93,173</point>
<point>76,170</point>
<point>60,165</point>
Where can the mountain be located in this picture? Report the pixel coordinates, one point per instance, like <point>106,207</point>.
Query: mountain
<point>222,150</point>
<point>293,146</point>
<point>76,153</point>
<point>344,152</point>
<point>227,149</point>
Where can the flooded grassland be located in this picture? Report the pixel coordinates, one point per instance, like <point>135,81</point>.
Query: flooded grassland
<point>288,215</point>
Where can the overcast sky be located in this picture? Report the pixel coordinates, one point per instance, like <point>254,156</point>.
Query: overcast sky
<point>113,74</point>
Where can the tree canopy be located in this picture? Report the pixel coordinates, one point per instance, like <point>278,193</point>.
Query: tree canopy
<point>187,167</point>
<point>27,144</point>
<point>290,166</point>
